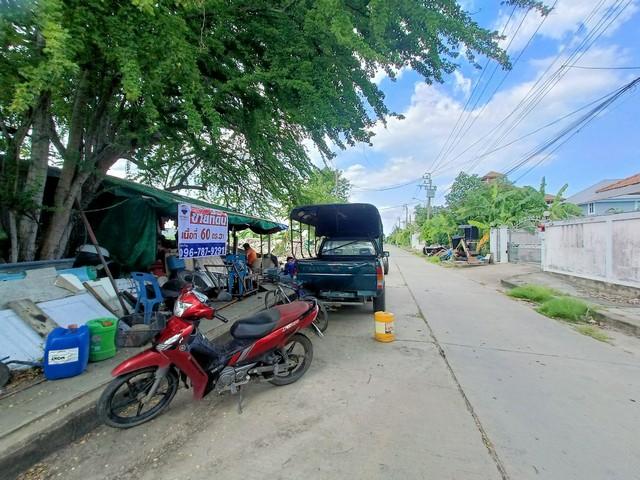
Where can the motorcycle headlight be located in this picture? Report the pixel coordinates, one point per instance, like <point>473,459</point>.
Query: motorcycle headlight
<point>180,307</point>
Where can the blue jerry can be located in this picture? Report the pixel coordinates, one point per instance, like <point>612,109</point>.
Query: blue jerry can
<point>66,352</point>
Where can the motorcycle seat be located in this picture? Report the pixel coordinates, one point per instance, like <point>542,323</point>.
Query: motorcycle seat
<point>292,311</point>
<point>256,326</point>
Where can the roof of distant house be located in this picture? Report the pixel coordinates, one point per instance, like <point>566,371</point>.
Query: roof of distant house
<point>624,190</point>
<point>625,182</point>
<point>492,175</point>
<point>550,198</point>
<point>589,194</point>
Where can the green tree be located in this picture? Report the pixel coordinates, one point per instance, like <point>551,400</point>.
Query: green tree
<point>439,229</point>
<point>324,185</point>
<point>560,209</point>
<point>235,86</point>
<point>464,186</point>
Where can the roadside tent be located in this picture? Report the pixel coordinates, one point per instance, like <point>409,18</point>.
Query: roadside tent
<point>125,217</point>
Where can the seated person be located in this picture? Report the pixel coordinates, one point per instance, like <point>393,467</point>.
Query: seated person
<point>251,254</point>
<point>291,267</point>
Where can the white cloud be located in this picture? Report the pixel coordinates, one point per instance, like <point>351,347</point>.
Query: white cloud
<point>381,74</point>
<point>412,145</point>
<point>400,169</point>
<point>462,84</point>
<point>567,18</point>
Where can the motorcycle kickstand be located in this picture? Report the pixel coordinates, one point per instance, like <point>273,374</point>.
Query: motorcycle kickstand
<point>317,330</point>
<point>240,399</point>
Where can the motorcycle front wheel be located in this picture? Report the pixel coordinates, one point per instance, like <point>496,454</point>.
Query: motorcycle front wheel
<point>121,404</point>
<point>299,349</point>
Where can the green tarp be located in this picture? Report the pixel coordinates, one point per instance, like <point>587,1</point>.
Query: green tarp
<point>129,231</point>
<point>128,225</point>
<point>166,204</point>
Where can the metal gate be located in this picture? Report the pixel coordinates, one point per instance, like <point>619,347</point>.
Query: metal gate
<point>524,247</point>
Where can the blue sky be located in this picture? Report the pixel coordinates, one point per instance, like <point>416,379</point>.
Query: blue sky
<point>609,147</point>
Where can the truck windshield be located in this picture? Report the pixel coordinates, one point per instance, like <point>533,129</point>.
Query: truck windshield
<point>348,248</point>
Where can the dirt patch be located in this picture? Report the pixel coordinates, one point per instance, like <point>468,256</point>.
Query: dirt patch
<point>21,380</point>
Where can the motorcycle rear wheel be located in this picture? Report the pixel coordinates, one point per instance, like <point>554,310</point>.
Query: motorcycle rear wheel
<point>123,395</point>
<point>300,347</point>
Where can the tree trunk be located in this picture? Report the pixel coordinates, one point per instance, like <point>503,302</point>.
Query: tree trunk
<point>71,179</point>
<point>36,179</point>
<point>55,241</point>
<point>13,238</point>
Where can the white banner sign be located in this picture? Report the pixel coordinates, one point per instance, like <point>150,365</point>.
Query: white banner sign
<point>202,232</point>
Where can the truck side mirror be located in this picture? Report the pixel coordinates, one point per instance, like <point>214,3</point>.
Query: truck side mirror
<point>385,253</point>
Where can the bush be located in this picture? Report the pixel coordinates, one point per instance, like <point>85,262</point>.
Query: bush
<point>434,259</point>
<point>566,308</point>
<point>534,293</point>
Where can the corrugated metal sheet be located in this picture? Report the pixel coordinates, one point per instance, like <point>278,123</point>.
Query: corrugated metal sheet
<point>78,310</point>
<point>18,340</point>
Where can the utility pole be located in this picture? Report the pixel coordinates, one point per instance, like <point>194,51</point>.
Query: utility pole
<point>406,215</point>
<point>430,191</point>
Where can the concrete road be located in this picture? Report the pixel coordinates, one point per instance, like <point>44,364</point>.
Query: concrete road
<point>477,386</point>
<point>364,410</point>
<point>554,403</point>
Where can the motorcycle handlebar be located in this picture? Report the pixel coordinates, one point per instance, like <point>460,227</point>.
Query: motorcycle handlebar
<point>220,317</point>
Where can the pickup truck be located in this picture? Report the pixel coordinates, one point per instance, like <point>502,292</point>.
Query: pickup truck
<point>350,263</point>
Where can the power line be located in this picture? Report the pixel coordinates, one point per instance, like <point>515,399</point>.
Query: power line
<point>571,130</point>
<point>544,18</point>
<point>398,206</point>
<point>604,68</point>
<point>462,133</point>
<point>391,187</point>
<point>534,90</point>
<point>547,125</point>
<point>535,95</point>
<point>597,31</point>
<point>462,112</point>
<point>568,132</point>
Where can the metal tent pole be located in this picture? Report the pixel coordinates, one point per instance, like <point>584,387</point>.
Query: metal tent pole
<point>94,241</point>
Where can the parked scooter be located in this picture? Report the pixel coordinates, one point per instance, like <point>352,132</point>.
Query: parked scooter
<point>266,347</point>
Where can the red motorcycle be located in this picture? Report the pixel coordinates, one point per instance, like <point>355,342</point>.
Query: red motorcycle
<point>267,347</point>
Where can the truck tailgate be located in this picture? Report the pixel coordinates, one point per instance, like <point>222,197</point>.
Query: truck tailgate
<point>338,276</point>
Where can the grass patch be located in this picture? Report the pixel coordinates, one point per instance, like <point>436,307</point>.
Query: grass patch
<point>534,293</point>
<point>434,259</point>
<point>593,332</point>
<point>566,308</point>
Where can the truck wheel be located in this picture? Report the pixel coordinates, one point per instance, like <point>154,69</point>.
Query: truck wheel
<point>385,265</point>
<point>379,303</point>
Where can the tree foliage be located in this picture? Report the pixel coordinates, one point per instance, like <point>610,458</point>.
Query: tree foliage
<point>464,186</point>
<point>485,205</point>
<point>233,86</point>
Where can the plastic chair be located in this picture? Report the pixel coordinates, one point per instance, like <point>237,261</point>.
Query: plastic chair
<point>149,304</point>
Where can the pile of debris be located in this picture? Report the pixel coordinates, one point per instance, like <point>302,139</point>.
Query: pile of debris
<point>464,250</point>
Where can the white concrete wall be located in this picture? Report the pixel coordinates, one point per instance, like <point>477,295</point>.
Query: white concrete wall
<point>605,248</point>
<point>415,241</point>
<point>498,244</point>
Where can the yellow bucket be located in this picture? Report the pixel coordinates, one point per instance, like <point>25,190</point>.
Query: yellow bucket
<point>384,326</point>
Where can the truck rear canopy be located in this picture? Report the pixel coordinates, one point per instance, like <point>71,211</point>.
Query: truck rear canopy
<point>341,219</point>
